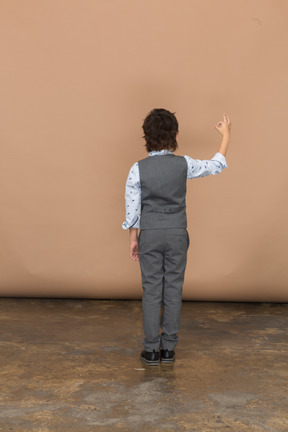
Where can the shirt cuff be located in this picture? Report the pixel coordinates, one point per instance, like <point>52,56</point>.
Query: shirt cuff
<point>220,158</point>
<point>126,226</point>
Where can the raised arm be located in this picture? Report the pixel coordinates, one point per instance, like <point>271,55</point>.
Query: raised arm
<point>224,127</point>
<point>202,168</point>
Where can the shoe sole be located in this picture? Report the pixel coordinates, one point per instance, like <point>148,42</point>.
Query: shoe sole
<point>150,363</point>
<point>168,361</point>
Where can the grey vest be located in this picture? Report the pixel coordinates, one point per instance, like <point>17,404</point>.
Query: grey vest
<point>163,181</point>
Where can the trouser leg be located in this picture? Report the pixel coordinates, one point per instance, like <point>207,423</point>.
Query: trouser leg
<point>175,259</point>
<point>150,244</point>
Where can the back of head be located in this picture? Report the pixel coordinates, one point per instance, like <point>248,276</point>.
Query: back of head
<point>160,130</point>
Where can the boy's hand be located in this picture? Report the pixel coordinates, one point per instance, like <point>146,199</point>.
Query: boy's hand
<point>224,126</point>
<point>134,253</point>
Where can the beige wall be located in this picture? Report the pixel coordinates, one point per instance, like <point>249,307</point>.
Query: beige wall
<point>78,77</point>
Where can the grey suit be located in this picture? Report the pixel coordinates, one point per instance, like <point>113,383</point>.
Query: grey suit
<point>163,243</point>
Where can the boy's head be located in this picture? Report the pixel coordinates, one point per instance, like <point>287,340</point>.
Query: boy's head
<point>160,129</point>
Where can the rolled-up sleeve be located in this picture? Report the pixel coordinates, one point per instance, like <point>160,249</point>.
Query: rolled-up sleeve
<point>132,199</point>
<point>202,168</point>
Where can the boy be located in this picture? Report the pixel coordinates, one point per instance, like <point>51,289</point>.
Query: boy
<point>156,189</point>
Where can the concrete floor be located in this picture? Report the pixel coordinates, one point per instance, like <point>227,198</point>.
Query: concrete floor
<point>73,365</point>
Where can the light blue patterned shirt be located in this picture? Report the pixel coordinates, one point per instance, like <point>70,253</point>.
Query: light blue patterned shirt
<point>195,168</point>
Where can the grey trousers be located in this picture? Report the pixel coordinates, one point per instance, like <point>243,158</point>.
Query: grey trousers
<point>162,257</point>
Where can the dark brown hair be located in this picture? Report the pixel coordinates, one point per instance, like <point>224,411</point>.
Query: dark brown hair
<point>160,129</point>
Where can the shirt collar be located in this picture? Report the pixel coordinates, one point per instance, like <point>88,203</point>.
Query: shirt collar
<point>160,152</point>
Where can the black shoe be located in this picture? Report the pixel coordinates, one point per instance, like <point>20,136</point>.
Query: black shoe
<point>167,356</point>
<point>150,358</point>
